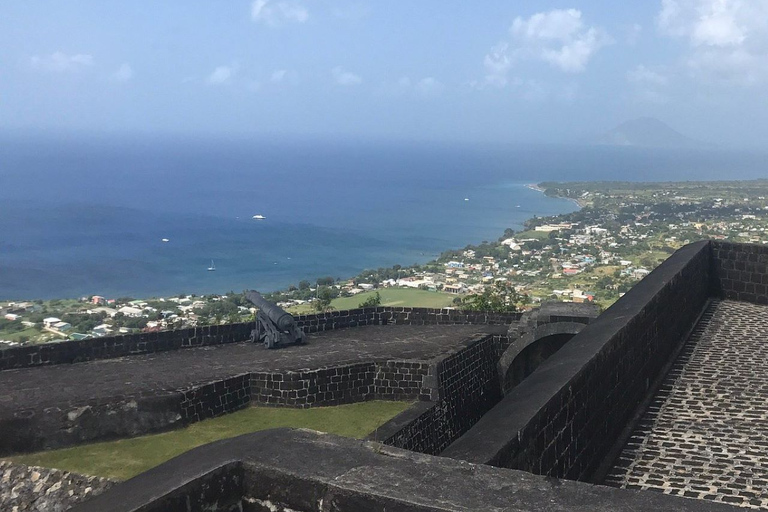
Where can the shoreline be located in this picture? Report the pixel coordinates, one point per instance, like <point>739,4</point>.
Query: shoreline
<point>534,186</point>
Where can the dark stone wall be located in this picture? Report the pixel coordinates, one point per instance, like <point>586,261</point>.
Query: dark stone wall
<point>400,316</point>
<point>464,387</point>
<point>326,386</point>
<point>56,427</point>
<point>216,398</point>
<point>565,418</point>
<point>740,271</point>
<point>119,346</point>
<point>285,470</point>
<point>401,380</point>
<point>133,344</point>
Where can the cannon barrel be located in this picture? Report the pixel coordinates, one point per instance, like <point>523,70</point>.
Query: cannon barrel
<point>282,320</point>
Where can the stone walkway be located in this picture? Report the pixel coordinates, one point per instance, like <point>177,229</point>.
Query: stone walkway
<point>705,434</point>
<point>164,372</point>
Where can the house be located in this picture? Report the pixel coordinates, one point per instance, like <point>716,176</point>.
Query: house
<point>48,322</point>
<point>102,330</point>
<point>12,317</point>
<point>110,312</point>
<point>62,326</point>
<point>98,300</point>
<point>640,273</point>
<point>130,311</point>
<point>455,288</point>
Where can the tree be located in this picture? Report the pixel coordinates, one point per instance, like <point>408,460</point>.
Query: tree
<point>304,285</point>
<point>501,297</point>
<point>372,301</point>
<point>323,301</point>
<point>325,281</point>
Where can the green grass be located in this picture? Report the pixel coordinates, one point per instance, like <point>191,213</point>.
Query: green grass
<point>409,297</point>
<point>29,333</point>
<point>126,458</point>
<point>398,297</point>
<point>538,235</point>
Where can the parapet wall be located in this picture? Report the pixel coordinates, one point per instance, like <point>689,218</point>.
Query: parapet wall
<point>440,379</point>
<point>135,344</point>
<point>286,470</point>
<point>740,271</point>
<point>565,418</point>
<point>465,386</point>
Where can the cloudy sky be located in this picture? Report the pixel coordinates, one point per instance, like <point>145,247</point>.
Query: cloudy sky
<point>426,70</point>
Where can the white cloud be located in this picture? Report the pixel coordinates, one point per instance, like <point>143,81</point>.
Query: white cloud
<point>221,75</point>
<point>728,39</point>
<point>642,75</point>
<point>277,13</point>
<point>123,73</point>
<point>345,78</point>
<point>60,62</point>
<point>497,64</point>
<point>558,37</point>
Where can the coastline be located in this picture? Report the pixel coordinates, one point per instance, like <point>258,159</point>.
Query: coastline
<point>537,188</point>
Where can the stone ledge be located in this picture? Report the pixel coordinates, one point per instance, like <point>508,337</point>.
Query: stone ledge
<point>286,469</point>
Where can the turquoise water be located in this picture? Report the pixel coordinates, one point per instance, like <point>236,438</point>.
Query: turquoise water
<point>87,216</point>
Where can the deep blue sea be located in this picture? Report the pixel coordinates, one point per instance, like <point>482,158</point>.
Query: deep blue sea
<point>81,216</point>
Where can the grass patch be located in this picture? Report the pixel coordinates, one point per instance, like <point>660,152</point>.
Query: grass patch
<point>410,297</point>
<point>126,458</point>
<point>537,235</point>
<point>407,297</point>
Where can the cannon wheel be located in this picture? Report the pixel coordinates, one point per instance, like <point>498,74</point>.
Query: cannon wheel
<point>269,342</point>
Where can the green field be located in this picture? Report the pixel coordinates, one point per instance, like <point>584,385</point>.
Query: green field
<point>538,235</point>
<point>389,297</point>
<point>126,458</point>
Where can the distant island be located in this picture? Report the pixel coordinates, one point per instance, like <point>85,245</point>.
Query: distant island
<point>647,132</point>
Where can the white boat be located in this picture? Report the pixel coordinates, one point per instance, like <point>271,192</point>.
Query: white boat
<point>165,240</point>
<point>259,217</point>
<point>212,268</point>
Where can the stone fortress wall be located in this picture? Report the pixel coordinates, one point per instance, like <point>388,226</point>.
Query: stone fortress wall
<point>161,409</point>
<point>566,420</point>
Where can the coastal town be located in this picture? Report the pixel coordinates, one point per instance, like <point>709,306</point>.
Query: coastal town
<point>596,254</point>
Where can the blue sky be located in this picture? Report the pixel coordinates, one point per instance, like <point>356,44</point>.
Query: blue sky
<point>410,70</point>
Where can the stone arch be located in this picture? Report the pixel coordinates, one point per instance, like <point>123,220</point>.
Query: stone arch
<point>527,352</point>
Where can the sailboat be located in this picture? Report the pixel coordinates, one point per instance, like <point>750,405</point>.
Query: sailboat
<point>212,268</point>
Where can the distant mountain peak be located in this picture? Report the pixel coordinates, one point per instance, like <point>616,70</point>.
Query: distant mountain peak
<point>648,132</point>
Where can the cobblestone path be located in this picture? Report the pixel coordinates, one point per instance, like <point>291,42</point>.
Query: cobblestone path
<point>705,435</point>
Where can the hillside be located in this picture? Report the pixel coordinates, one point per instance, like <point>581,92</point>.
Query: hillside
<point>647,132</point>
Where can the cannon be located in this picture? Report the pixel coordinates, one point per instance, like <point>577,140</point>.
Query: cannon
<point>273,325</point>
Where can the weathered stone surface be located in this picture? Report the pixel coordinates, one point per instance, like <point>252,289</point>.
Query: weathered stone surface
<point>34,489</point>
<point>61,405</point>
<point>706,433</point>
<point>298,470</point>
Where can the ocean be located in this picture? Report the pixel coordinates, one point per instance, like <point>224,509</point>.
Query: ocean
<point>83,216</point>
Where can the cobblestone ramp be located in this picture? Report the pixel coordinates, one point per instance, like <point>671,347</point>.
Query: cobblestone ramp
<point>705,434</point>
